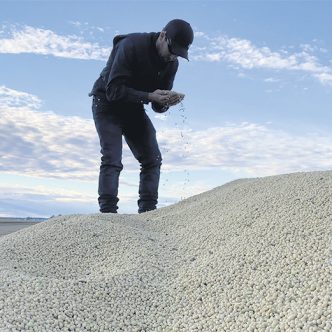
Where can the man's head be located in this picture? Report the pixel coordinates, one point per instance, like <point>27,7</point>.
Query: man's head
<point>175,40</point>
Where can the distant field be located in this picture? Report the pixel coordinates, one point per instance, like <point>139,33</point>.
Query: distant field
<point>13,220</point>
<point>10,225</point>
<point>25,220</point>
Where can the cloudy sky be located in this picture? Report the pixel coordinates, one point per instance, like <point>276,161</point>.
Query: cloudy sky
<point>258,98</point>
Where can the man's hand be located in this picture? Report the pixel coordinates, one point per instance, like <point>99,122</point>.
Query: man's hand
<point>159,96</point>
<point>166,97</point>
<point>174,98</point>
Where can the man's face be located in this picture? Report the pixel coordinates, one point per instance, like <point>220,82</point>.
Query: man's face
<point>166,50</point>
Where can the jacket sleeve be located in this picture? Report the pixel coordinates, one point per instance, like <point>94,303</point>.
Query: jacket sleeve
<point>167,85</point>
<point>121,73</point>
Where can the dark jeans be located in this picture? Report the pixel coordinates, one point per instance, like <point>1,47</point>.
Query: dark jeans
<point>140,135</point>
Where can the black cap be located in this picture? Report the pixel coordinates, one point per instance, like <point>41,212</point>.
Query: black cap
<point>181,35</point>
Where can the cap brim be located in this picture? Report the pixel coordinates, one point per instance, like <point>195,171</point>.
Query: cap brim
<point>180,51</point>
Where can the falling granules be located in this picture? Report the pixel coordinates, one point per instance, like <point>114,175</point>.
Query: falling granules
<point>164,147</point>
<point>185,141</point>
<point>178,120</point>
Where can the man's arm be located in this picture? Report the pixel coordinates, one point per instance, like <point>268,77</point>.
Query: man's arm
<point>168,85</point>
<point>121,72</point>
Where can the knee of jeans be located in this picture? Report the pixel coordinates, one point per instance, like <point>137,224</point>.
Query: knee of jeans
<point>151,162</point>
<point>110,162</point>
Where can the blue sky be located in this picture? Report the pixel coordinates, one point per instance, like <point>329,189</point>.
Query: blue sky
<point>258,93</point>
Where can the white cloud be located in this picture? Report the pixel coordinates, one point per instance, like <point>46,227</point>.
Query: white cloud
<point>43,193</point>
<point>271,80</point>
<point>235,51</point>
<point>245,54</point>
<point>325,78</point>
<point>18,99</point>
<point>45,144</point>
<point>46,42</point>
<point>86,27</point>
<point>174,192</point>
<point>162,117</point>
<point>198,34</point>
<point>42,201</point>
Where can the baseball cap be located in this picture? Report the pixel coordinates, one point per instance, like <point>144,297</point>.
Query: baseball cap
<point>181,35</point>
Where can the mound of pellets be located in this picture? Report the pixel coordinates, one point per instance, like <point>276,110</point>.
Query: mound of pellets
<point>251,255</point>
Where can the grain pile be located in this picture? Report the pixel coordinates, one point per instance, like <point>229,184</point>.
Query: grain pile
<point>251,255</point>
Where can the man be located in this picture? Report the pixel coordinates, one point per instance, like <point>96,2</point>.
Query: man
<point>140,69</point>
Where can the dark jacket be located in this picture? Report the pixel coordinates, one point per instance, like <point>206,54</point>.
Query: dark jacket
<point>134,69</point>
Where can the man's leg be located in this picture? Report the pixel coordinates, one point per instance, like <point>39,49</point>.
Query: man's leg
<point>140,136</point>
<point>109,131</point>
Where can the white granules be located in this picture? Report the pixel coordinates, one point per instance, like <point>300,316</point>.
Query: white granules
<point>252,255</point>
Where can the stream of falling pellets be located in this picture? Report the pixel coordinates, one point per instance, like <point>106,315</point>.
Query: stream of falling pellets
<point>185,141</point>
<point>185,152</point>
